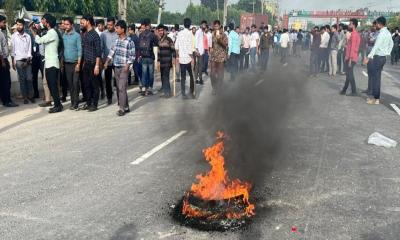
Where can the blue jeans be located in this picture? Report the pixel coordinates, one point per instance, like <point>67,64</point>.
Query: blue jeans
<point>137,68</point>
<point>148,72</point>
<point>253,53</point>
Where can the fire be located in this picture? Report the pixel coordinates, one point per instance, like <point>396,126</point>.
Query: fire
<point>215,185</point>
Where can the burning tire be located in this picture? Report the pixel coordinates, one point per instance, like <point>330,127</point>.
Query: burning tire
<point>216,202</point>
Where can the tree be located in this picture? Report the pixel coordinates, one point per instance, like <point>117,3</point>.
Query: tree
<point>394,22</point>
<point>10,8</point>
<point>212,4</point>
<point>139,10</point>
<point>247,5</point>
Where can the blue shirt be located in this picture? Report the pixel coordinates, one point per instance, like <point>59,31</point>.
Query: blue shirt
<point>72,47</point>
<point>234,43</point>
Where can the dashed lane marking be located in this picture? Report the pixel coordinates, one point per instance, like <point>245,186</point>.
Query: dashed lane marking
<point>158,148</point>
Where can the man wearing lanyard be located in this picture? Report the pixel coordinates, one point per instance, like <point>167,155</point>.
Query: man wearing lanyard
<point>21,55</point>
<point>382,48</point>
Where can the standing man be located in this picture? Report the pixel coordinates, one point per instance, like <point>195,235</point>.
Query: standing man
<point>324,50</point>
<point>199,52</point>
<point>137,67</point>
<point>352,48</point>
<point>314,57</point>
<point>265,44</point>
<point>234,43</point>
<point>37,65</point>
<point>342,44</point>
<point>123,55</point>
<point>371,42</point>
<point>245,51</point>
<point>91,54</point>
<point>100,26</point>
<point>284,41</point>
<point>254,45</point>
<point>147,42</point>
<point>334,44</point>
<point>165,57</point>
<point>184,50</point>
<point>382,48</point>
<point>21,55</point>
<point>108,40</point>
<point>218,56</point>
<point>5,77</point>
<point>52,62</point>
<point>207,46</point>
<point>299,43</point>
<point>72,60</point>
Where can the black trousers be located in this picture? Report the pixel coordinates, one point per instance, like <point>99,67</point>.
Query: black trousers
<point>5,83</point>
<point>73,82</point>
<point>188,68</point>
<point>108,73</point>
<point>376,70</point>
<point>52,75</point>
<point>324,59</point>
<point>314,62</point>
<point>198,68</point>
<point>350,77</point>
<point>36,67</point>
<point>91,84</point>
<point>64,84</point>
<point>264,58</point>
<point>166,86</point>
<point>234,62</point>
<point>245,58</point>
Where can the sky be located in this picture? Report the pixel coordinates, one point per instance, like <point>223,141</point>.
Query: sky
<point>180,5</point>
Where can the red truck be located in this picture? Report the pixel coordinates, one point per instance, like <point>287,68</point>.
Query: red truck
<point>248,19</point>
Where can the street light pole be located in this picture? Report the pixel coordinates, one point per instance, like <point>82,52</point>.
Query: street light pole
<point>218,9</point>
<point>122,8</point>
<point>160,9</point>
<point>225,12</point>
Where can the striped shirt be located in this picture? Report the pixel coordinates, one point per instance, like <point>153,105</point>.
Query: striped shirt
<point>123,52</point>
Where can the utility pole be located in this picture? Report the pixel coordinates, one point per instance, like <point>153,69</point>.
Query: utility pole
<point>122,8</point>
<point>254,3</point>
<point>225,12</point>
<point>160,9</point>
<point>262,6</point>
<point>218,9</point>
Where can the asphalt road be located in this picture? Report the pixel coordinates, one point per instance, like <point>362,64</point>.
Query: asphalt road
<point>69,175</point>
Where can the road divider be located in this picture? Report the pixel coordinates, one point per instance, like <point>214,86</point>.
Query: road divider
<point>158,148</point>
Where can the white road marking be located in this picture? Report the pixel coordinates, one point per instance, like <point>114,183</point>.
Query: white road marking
<point>365,74</point>
<point>388,74</point>
<point>158,148</point>
<point>395,108</point>
<point>259,82</point>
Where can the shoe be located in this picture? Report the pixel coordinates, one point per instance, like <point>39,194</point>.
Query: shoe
<point>197,82</point>
<point>26,101</point>
<point>73,108</point>
<point>373,101</point>
<point>64,99</point>
<point>342,92</point>
<point>206,73</point>
<point>85,107</point>
<point>201,82</point>
<point>120,113</point>
<point>55,109</point>
<point>127,110</point>
<point>92,109</point>
<point>109,101</point>
<point>45,104</point>
<point>10,104</point>
<point>150,92</point>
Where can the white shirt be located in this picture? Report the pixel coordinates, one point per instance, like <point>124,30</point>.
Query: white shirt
<point>184,46</point>
<point>253,39</point>
<point>98,32</point>
<point>285,40</point>
<point>21,46</point>
<point>325,40</point>
<point>209,39</point>
<point>172,35</point>
<point>200,41</point>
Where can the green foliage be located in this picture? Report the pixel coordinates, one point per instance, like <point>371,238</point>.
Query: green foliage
<point>212,4</point>
<point>10,8</point>
<point>247,5</point>
<point>394,22</point>
<point>138,10</point>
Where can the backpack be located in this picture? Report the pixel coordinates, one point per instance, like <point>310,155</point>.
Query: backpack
<point>145,44</point>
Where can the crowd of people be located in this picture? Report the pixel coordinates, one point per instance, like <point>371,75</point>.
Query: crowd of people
<point>103,55</point>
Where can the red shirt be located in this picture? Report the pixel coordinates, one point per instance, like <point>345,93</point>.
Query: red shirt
<point>353,46</point>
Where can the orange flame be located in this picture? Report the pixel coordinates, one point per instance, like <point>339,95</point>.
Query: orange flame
<point>215,185</point>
